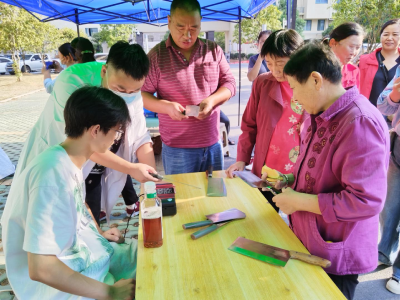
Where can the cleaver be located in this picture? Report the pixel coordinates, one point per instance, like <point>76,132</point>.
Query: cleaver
<point>274,255</point>
<point>224,216</point>
<point>254,181</point>
<point>216,186</point>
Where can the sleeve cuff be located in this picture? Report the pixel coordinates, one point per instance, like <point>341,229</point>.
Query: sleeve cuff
<point>230,87</point>
<point>391,102</point>
<point>325,202</point>
<point>243,157</point>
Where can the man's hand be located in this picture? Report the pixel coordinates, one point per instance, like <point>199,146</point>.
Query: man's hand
<point>395,94</point>
<point>112,234</point>
<point>237,166</point>
<point>175,111</point>
<point>206,108</point>
<point>141,172</point>
<point>123,289</point>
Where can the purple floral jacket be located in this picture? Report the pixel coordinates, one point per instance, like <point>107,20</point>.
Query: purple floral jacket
<point>343,159</point>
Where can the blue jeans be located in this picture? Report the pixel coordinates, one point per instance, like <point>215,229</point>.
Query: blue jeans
<point>190,160</point>
<point>390,215</point>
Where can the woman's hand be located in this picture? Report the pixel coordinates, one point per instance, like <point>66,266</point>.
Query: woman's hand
<point>237,166</point>
<point>395,94</point>
<point>58,67</point>
<point>290,201</point>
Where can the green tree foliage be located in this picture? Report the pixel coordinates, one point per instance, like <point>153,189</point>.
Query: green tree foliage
<point>328,30</point>
<point>371,14</point>
<point>269,16</point>
<point>66,35</point>
<point>300,23</point>
<point>112,33</point>
<point>16,31</point>
<point>219,38</point>
<point>166,35</point>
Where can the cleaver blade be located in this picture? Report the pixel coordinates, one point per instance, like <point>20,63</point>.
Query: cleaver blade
<point>274,255</point>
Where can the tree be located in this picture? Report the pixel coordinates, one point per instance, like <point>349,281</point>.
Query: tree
<point>371,14</point>
<point>97,41</point>
<point>219,38</point>
<point>269,16</point>
<point>166,35</point>
<point>112,33</point>
<point>46,38</point>
<point>328,30</point>
<point>300,23</point>
<point>67,35</point>
<point>16,31</point>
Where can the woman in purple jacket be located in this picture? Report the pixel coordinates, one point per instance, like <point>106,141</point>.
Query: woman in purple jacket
<point>338,186</point>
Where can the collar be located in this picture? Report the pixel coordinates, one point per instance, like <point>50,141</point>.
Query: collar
<point>275,92</point>
<point>340,104</point>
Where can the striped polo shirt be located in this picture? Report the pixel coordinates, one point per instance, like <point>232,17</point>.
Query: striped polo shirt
<point>175,79</point>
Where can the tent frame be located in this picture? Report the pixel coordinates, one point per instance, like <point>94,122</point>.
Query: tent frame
<point>82,9</point>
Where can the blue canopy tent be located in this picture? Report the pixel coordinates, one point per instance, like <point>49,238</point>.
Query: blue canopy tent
<point>153,12</point>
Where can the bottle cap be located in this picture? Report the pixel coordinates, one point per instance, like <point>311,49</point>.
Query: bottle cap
<point>150,187</point>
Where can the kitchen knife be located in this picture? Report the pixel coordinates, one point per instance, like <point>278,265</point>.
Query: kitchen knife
<point>216,186</point>
<point>227,215</point>
<point>198,234</point>
<point>255,181</point>
<point>274,255</point>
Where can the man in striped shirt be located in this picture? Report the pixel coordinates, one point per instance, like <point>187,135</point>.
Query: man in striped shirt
<point>186,70</point>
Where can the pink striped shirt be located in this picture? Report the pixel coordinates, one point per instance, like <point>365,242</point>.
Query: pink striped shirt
<point>188,83</point>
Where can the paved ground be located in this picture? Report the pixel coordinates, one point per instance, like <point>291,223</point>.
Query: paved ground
<point>18,116</point>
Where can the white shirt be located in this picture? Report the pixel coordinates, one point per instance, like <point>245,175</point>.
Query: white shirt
<point>46,214</point>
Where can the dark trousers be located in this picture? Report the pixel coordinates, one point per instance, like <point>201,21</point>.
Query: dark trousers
<point>93,194</point>
<point>223,118</point>
<point>268,195</point>
<point>346,283</point>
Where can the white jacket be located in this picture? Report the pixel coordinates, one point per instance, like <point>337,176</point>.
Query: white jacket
<point>49,130</point>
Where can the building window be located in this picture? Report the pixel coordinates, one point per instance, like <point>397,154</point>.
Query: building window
<point>91,31</point>
<point>321,1</point>
<point>150,38</point>
<point>321,25</point>
<point>307,27</point>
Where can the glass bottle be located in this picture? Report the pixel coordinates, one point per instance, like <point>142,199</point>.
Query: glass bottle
<point>151,212</point>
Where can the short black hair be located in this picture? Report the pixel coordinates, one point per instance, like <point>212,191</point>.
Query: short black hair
<point>282,43</point>
<point>314,57</point>
<point>89,106</point>
<point>86,47</point>
<point>186,5</point>
<point>260,35</point>
<point>129,58</point>
<point>345,30</point>
<point>388,23</point>
<point>66,49</point>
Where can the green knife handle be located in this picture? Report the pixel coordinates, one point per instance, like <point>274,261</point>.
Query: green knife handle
<point>197,224</point>
<point>203,232</point>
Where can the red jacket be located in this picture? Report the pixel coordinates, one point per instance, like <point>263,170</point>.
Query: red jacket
<point>350,76</point>
<point>368,67</point>
<point>262,113</point>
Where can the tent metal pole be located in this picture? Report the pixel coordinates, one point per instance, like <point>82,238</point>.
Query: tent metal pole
<point>77,21</point>
<point>240,59</point>
<point>288,13</point>
<point>294,10</point>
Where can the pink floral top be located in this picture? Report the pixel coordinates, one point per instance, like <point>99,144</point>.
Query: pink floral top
<point>284,147</point>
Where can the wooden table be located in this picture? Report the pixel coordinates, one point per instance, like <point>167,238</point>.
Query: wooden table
<point>205,269</point>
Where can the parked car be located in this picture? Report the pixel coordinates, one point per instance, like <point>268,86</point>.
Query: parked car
<point>101,57</point>
<point>33,62</point>
<point>3,62</point>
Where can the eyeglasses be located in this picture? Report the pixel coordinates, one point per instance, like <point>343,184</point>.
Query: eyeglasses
<point>118,134</point>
